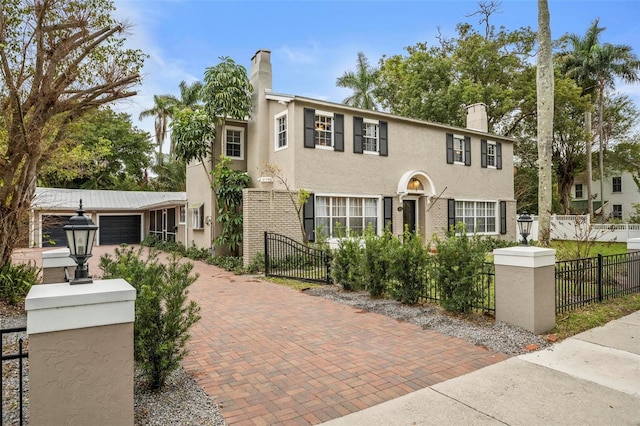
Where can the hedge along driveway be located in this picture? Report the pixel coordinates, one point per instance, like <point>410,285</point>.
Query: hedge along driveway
<point>272,355</point>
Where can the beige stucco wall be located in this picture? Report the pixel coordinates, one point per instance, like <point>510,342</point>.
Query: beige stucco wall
<point>66,364</point>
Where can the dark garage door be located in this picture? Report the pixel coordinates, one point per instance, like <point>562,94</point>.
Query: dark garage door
<point>52,233</point>
<point>119,229</point>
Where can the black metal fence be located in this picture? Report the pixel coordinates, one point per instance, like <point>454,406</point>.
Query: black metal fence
<point>584,281</point>
<point>18,357</point>
<point>485,289</point>
<point>287,258</point>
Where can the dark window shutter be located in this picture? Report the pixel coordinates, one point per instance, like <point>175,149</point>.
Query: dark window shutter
<point>308,213</point>
<point>449,148</point>
<point>338,132</point>
<point>467,151</point>
<point>388,213</point>
<point>384,144</point>
<point>357,135</point>
<point>503,217</point>
<point>451,214</point>
<point>498,155</point>
<point>483,153</point>
<point>201,221</point>
<point>309,127</point>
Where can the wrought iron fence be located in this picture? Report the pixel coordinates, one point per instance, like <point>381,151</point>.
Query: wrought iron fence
<point>287,258</point>
<point>19,357</point>
<point>583,281</point>
<point>484,290</point>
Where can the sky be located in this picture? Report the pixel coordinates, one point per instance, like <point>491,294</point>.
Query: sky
<point>312,43</point>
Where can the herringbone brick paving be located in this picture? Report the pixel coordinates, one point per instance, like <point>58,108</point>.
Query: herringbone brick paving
<point>272,355</point>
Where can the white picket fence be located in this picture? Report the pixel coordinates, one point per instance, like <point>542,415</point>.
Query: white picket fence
<point>579,227</point>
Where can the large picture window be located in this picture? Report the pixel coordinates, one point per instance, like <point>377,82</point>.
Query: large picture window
<point>478,216</point>
<point>334,215</point>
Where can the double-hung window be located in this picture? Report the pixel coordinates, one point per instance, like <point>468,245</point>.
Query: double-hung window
<point>182,218</point>
<point>578,191</point>
<point>370,135</point>
<point>491,154</point>
<point>281,126</point>
<point>336,215</point>
<point>616,184</point>
<point>197,216</point>
<point>458,149</point>
<point>234,143</point>
<point>323,130</point>
<point>477,216</point>
<point>617,211</point>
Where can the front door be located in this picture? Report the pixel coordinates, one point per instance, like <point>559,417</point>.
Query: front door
<point>409,215</point>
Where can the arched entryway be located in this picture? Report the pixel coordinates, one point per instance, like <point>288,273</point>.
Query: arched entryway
<point>415,190</point>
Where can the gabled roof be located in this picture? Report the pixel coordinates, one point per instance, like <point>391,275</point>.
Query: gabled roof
<point>285,98</point>
<point>95,199</point>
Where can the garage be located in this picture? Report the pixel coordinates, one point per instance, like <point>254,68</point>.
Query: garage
<point>120,229</point>
<point>52,233</point>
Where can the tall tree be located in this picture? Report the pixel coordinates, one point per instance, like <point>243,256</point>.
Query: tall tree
<point>58,60</point>
<point>595,67</point>
<point>362,82</point>
<point>163,110</point>
<point>544,84</point>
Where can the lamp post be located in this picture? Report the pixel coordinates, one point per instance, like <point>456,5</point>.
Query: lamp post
<point>81,232</point>
<point>524,226</point>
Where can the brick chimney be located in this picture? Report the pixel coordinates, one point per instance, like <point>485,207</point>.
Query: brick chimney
<point>477,117</point>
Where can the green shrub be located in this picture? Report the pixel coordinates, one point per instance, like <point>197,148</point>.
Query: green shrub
<point>153,240</point>
<point>256,265</point>
<point>16,281</point>
<point>196,253</point>
<point>230,263</point>
<point>377,261</point>
<point>490,244</point>
<point>163,315</point>
<point>458,263</point>
<point>346,265</point>
<point>409,269</point>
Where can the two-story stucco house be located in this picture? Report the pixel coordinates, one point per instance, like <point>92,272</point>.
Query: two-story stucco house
<point>620,195</point>
<point>361,167</point>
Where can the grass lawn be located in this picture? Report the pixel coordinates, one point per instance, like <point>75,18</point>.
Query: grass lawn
<point>294,284</point>
<point>579,249</point>
<point>595,315</point>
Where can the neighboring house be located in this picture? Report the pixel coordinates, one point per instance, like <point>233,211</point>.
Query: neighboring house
<point>363,168</point>
<point>620,194</point>
<point>123,217</point>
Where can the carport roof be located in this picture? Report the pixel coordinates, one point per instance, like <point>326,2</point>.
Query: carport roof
<point>95,199</point>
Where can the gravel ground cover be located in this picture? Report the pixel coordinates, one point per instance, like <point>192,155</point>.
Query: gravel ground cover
<point>183,402</point>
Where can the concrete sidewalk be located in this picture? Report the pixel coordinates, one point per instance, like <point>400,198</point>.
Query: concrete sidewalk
<point>592,378</point>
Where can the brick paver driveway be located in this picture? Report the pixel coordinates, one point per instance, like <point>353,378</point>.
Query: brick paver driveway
<point>272,355</point>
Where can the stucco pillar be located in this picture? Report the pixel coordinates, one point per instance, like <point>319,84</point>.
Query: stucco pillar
<point>525,287</point>
<point>81,353</point>
<point>633,244</point>
<point>53,264</point>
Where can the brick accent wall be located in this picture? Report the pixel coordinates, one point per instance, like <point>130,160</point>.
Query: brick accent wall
<point>266,210</point>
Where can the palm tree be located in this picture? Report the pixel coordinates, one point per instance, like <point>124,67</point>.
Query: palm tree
<point>162,110</point>
<point>362,82</point>
<point>595,67</point>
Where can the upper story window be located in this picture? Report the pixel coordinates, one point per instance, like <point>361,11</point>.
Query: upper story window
<point>490,154</point>
<point>578,190</point>
<point>616,182</point>
<point>234,142</point>
<point>370,136</point>
<point>323,130</point>
<point>281,126</point>
<point>459,149</point>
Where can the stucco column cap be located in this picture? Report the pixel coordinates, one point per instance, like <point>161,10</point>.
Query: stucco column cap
<point>57,258</point>
<point>633,244</point>
<point>524,256</point>
<point>57,307</point>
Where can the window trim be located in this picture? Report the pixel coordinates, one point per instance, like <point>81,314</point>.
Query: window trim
<point>366,121</point>
<point>613,185</point>
<point>495,154</point>
<point>182,215</point>
<point>242,141</point>
<point>197,216</point>
<point>330,115</point>
<point>496,215</point>
<point>379,211</point>
<point>276,130</point>
<point>461,139</point>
